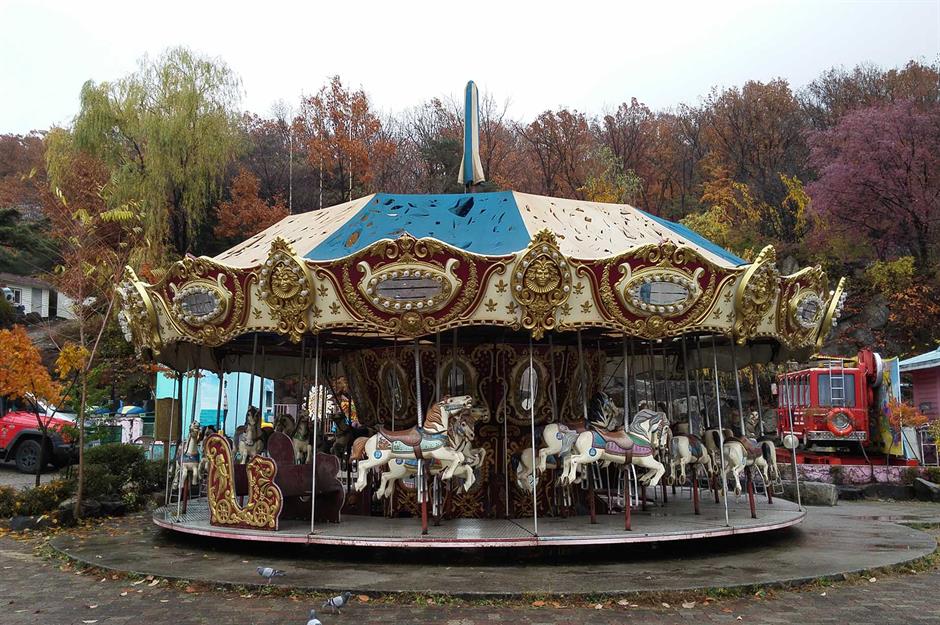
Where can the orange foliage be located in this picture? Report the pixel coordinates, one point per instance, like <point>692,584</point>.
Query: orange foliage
<point>246,213</point>
<point>22,374</point>
<point>905,414</point>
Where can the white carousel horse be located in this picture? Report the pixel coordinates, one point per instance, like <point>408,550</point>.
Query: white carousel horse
<point>686,450</point>
<point>742,452</point>
<point>250,443</point>
<point>284,424</point>
<point>401,468</point>
<point>302,447</point>
<point>559,439</point>
<point>639,443</point>
<point>188,463</point>
<point>428,442</point>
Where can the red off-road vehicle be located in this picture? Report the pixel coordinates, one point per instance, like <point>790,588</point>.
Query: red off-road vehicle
<point>21,440</point>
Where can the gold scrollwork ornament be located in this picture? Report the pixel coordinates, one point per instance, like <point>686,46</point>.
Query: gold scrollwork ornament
<point>287,288</point>
<point>755,294</point>
<point>540,282</point>
<point>833,312</point>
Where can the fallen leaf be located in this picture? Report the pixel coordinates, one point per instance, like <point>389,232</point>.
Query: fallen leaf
<point>93,606</point>
<point>148,578</point>
<point>688,605</point>
<point>740,618</point>
<point>822,594</point>
<point>555,604</point>
<point>623,602</point>
<point>91,621</point>
<point>873,579</point>
<point>103,579</point>
<point>164,600</point>
<point>191,589</point>
<point>363,598</point>
<point>124,594</point>
<point>137,583</point>
<point>154,583</point>
<point>538,604</point>
<point>598,607</point>
<point>666,605</point>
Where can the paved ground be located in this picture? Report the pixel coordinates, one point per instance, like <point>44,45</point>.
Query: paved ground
<point>35,590</point>
<point>832,541</point>
<point>9,476</point>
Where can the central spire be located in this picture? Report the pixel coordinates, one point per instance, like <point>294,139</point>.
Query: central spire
<point>471,169</point>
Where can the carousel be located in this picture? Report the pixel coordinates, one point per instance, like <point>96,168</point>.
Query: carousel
<point>525,371</point>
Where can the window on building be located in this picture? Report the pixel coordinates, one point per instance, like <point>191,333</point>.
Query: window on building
<point>17,296</point>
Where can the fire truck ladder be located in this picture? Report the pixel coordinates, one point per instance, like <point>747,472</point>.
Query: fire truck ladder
<point>836,383</point>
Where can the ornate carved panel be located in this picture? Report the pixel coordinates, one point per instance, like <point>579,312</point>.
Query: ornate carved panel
<point>540,282</point>
<point>755,294</point>
<point>263,507</point>
<point>797,294</point>
<point>286,286</point>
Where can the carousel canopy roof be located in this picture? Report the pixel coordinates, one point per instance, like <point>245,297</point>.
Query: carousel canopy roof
<point>486,224</point>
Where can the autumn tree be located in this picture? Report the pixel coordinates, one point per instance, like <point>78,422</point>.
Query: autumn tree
<point>344,140</point>
<point>879,180</point>
<point>166,133</point>
<point>24,378</point>
<point>246,214</point>
<point>560,145</point>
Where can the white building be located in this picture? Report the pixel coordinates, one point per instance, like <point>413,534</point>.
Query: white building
<point>37,296</point>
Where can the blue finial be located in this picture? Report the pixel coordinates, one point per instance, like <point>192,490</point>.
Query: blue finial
<point>471,169</point>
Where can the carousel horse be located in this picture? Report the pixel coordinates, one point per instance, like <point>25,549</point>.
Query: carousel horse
<point>684,450</point>
<point>639,443</point>
<point>345,434</point>
<point>713,444</point>
<point>401,468</point>
<point>284,424</point>
<point>742,452</point>
<point>301,439</point>
<point>188,463</point>
<point>250,443</point>
<point>428,442</point>
<point>559,438</point>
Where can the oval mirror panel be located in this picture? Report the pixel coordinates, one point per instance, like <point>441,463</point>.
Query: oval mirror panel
<point>201,303</point>
<point>410,288</point>
<point>663,293</point>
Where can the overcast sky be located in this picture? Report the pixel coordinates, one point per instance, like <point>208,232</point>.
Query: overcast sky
<point>540,55</point>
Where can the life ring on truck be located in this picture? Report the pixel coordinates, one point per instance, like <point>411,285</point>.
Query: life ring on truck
<point>839,422</point>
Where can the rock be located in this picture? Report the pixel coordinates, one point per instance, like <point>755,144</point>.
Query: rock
<point>113,508</point>
<point>812,493</point>
<point>27,523</point>
<point>926,490</point>
<point>850,493</point>
<point>66,512</point>
<point>882,490</point>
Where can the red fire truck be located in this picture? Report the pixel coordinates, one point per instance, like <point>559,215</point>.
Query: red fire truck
<point>834,405</point>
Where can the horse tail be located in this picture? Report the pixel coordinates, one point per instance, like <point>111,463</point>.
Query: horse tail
<point>359,448</point>
<point>769,452</point>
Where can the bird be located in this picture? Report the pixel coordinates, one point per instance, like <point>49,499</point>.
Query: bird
<point>269,573</point>
<point>338,602</point>
<point>312,618</point>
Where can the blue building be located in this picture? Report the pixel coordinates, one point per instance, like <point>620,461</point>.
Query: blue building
<point>204,393</point>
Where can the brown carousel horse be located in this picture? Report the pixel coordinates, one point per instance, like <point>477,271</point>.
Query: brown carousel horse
<point>429,442</point>
<point>250,443</point>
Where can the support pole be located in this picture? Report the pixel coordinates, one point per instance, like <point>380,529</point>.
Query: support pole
<point>704,404</point>
<point>535,473</point>
<point>695,497</point>
<point>721,434</point>
<point>316,426</point>
<point>626,384</point>
<point>551,359</point>
<point>261,387</point>
<point>760,411</point>
<point>251,380</point>
<point>218,406</point>
<point>688,389</point>
<point>737,388</point>
<point>423,491</point>
<point>789,405</point>
<point>749,476</point>
<point>584,405</point>
<point>627,498</point>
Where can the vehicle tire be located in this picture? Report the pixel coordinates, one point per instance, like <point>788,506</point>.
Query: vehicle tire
<point>27,456</point>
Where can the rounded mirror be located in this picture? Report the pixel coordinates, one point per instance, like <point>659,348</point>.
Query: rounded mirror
<point>528,387</point>
<point>660,293</point>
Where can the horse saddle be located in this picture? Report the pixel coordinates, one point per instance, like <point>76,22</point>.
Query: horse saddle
<point>751,447</point>
<point>410,437</point>
<point>696,447</point>
<point>617,442</point>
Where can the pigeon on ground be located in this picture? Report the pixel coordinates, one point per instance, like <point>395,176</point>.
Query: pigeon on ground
<point>269,573</point>
<point>337,603</point>
<point>312,618</point>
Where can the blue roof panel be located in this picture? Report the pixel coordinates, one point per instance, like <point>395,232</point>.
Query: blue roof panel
<point>697,239</point>
<point>482,223</point>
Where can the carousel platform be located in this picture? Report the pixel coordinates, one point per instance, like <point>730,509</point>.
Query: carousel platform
<point>659,524</point>
<point>852,538</point>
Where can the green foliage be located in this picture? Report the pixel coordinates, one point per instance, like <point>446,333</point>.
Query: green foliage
<point>8,499</point>
<point>42,499</point>
<point>891,277</point>
<point>7,314</point>
<point>119,471</point>
<point>910,474</point>
<point>932,474</point>
<point>167,133</point>
<point>610,182</point>
<point>25,246</point>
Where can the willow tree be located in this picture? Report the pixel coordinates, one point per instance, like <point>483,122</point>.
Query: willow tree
<point>167,132</point>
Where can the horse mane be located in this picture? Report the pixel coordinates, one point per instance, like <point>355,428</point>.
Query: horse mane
<point>358,451</point>
<point>434,416</point>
